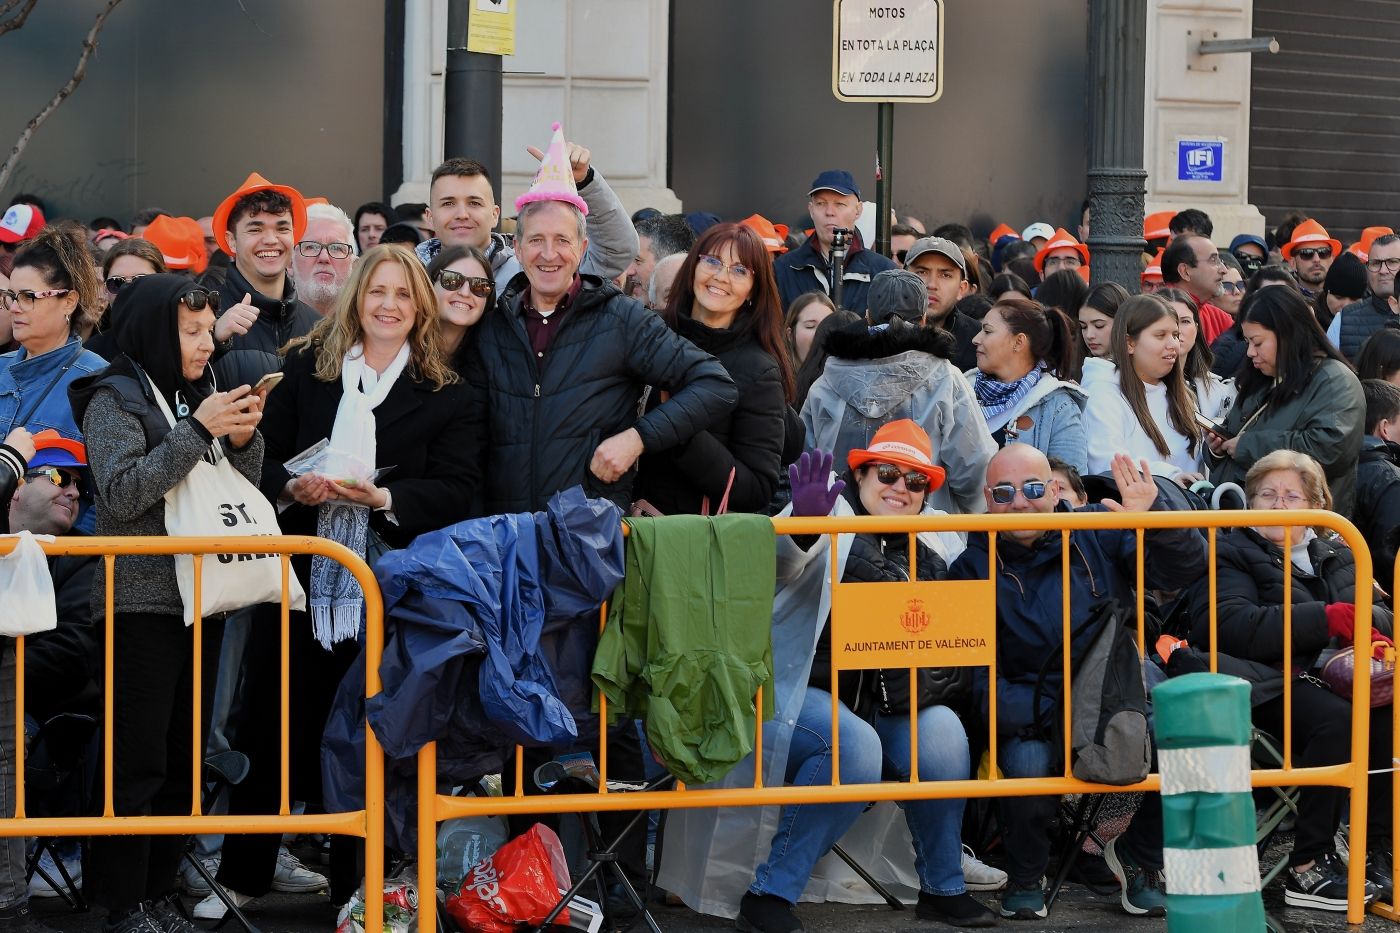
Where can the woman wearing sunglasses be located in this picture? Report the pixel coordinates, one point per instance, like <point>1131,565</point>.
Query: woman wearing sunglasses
<point>127,261</point>
<point>725,301</point>
<point>892,476</point>
<point>465,290</point>
<point>136,456</point>
<point>53,289</point>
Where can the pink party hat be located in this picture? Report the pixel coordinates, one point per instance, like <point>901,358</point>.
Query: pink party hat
<point>555,179</point>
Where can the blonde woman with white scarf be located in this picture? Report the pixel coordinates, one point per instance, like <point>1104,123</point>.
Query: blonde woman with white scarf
<point>404,459</point>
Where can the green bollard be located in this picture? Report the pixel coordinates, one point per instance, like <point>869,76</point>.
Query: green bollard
<point>1202,732</point>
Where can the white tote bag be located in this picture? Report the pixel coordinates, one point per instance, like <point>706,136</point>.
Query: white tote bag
<point>215,500</point>
<point>29,604</point>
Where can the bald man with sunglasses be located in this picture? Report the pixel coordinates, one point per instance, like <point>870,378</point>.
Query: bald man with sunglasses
<point>1030,628</point>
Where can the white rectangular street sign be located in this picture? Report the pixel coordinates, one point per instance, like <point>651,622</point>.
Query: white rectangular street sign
<point>887,51</point>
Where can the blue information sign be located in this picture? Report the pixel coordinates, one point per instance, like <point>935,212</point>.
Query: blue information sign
<point>1200,159</point>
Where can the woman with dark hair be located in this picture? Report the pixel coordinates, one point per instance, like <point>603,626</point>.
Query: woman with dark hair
<point>1229,347</point>
<point>800,323</point>
<point>1065,290</point>
<point>1144,409</point>
<point>127,261</point>
<point>1212,394</point>
<point>1232,286</point>
<point>1380,356</point>
<point>1024,352</point>
<point>149,419</point>
<point>725,301</point>
<point>1008,284</point>
<point>1249,600</point>
<point>1095,315</point>
<point>1296,393</point>
<point>815,361</point>
<point>53,290</point>
<point>465,290</point>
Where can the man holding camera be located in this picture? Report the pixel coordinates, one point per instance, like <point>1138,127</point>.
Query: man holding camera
<point>834,205</point>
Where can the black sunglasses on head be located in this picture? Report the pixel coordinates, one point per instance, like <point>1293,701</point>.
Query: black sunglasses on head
<point>197,299</point>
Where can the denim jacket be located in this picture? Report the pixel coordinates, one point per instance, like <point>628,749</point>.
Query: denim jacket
<point>24,379</point>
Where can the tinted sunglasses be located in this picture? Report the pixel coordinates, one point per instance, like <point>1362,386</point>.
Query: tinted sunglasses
<point>1005,493</point>
<point>889,474</point>
<point>60,478</point>
<point>116,283</point>
<point>1308,253</point>
<point>1232,288</point>
<point>1249,262</point>
<point>197,299</point>
<point>453,281</point>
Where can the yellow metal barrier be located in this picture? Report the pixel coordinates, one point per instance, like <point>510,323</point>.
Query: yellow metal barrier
<point>966,596</point>
<point>367,824</point>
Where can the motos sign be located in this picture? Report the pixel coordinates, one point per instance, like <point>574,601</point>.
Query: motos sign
<point>888,51</point>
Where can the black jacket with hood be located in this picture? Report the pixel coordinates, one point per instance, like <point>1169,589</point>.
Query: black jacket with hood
<point>547,416</point>
<point>246,358</point>
<point>1378,504</point>
<point>748,441</point>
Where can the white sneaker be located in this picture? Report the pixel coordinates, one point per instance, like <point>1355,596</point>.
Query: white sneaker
<point>38,887</point>
<point>211,908</point>
<point>292,877</point>
<point>978,875</point>
<point>191,881</point>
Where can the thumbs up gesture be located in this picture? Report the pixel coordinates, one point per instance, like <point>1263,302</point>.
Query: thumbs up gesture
<point>238,319</point>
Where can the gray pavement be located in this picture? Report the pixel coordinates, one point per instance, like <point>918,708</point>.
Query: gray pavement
<point>1077,909</point>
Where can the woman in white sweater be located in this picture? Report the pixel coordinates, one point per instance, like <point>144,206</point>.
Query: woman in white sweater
<point>1145,409</point>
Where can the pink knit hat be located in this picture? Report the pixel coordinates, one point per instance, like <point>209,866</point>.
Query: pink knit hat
<point>555,179</point>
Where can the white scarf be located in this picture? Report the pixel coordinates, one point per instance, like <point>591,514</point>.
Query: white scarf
<point>337,603</point>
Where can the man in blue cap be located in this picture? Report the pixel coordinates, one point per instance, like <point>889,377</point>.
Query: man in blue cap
<point>834,204</point>
<point>1250,251</point>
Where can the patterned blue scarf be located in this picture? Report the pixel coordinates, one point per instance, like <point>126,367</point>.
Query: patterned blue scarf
<point>997,397</point>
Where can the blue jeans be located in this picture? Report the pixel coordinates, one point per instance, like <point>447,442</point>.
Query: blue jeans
<point>806,833</point>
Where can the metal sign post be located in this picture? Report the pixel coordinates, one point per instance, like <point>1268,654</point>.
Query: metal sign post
<point>887,53</point>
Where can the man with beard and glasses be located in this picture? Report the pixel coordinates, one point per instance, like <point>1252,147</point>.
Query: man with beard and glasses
<point>323,257</point>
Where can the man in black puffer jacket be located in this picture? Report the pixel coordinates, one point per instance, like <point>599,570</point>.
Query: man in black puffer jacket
<point>561,364</point>
<point>258,225</point>
<point>1378,478</point>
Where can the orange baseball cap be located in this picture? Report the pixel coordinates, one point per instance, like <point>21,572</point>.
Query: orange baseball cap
<point>1062,239</point>
<point>1158,226</point>
<point>904,444</point>
<point>180,241</point>
<point>255,183</point>
<point>1310,233</point>
<point>1000,231</point>
<point>774,236</point>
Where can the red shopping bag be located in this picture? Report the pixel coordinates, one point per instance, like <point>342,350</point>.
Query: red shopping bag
<point>521,883</point>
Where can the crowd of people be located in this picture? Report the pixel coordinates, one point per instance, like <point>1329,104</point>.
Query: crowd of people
<point>686,365</point>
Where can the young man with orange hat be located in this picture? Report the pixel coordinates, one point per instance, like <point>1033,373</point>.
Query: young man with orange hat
<point>1062,251</point>
<point>1151,278</point>
<point>1355,323</point>
<point>258,226</point>
<point>1310,251</point>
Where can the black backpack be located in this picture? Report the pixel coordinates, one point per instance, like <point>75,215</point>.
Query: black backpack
<point>1110,743</point>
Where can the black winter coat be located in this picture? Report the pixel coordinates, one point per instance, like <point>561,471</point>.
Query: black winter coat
<point>883,559</point>
<point>61,666</point>
<point>1249,598</point>
<point>246,358</point>
<point>547,416</point>
<point>805,269</point>
<point>748,440</point>
<point>1377,511</point>
<point>431,439</point>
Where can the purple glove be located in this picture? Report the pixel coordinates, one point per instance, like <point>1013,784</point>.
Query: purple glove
<point>809,476</point>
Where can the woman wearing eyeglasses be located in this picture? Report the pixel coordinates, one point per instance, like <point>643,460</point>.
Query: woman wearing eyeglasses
<point>465,290</point>
<point>165,335</point>
<point>1250,592</point>
<point>725,301</point>
<point>373,380</point>
<point>1296,392</point>
<point>53,289</point>
<point>891,477</point>
<point>127,261</point>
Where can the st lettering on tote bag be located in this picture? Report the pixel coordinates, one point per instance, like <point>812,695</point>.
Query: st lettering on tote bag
<point>215,500</point>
